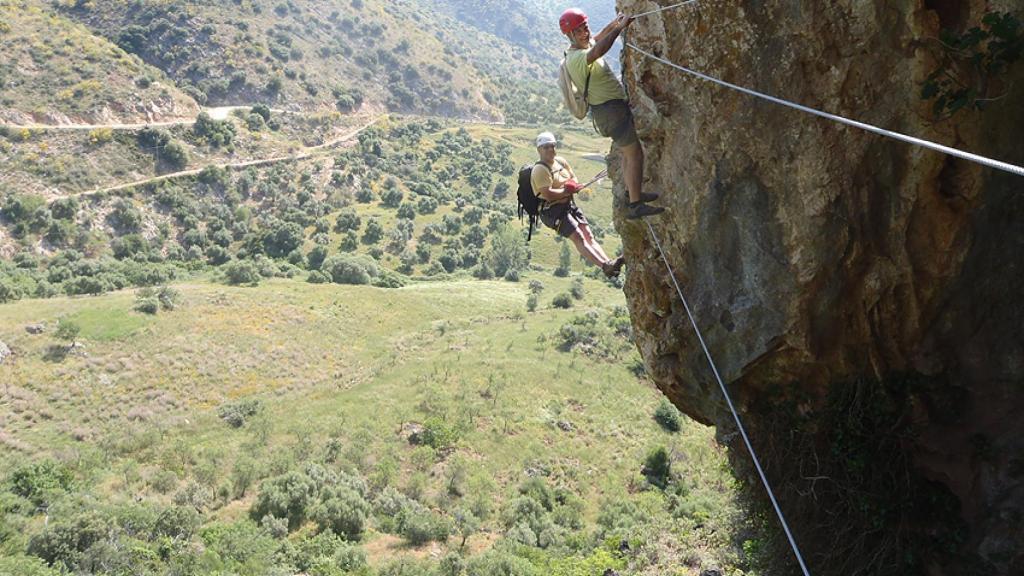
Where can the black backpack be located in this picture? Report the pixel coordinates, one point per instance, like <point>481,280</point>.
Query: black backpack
<point>529,203</point>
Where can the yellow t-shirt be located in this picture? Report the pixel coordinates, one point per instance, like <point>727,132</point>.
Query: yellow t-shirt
<point>554,177</point>
<point>604,86</point>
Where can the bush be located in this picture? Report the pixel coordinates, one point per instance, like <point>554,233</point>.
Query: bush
<point>392,197</point>
<point>577,289</point>
<point>147,305</point>
<point>262,110</point>
<point>439,434</point>
<point>242,272</point>
<point>64,542</point>
<point>237,412</point>
<point>658,468</point>
<point>531,302</point>
<point>563,300</point>
<point>345,513</point>
<point>420,525</point>
<point>347,220</point>
<point>289,496</point>
<point>318,277</point>
<point>175,155</point>
<point>350,269</point>
<point>667,416</point>
<point>40,482</point>
<point>315,258</point>
<point>564,261</point>
<point>374,232</point>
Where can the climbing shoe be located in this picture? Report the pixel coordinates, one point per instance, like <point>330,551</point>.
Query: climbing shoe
<point>646,197</point>
<point>612,268</point>
<point>636,210</point>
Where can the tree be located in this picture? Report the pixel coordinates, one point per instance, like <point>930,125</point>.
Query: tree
<point>667,416</point>
<point>344,513</point>
<point>242,272</point>
<point>507,251</point>
<point>467,524</point>
<point>348,219</point>
<point>289,496</point>
<point>564,261</point>
<point>392,197</point>
<point>374,232</point>
<point>175,155</point>
<point>658,467</point>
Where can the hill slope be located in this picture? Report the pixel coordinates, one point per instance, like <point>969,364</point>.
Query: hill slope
<point>54,71</point>
<point>313,54</point>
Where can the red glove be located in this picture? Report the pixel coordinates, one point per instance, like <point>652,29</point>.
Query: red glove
<point>572,186</point>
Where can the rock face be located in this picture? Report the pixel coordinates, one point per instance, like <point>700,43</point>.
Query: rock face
<point>859,295</point>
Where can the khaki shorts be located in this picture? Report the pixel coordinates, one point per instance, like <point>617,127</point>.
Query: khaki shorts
<point>614,119</point>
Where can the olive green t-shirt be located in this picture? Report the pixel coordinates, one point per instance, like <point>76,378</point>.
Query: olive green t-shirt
<point>554,177</point>
<point>604,86</point>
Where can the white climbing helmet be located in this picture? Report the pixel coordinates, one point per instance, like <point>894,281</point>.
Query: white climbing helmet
<point>545,138</point>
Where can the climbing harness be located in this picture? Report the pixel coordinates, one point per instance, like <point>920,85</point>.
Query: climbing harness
<point>728,400</point>
<point>662,9</point>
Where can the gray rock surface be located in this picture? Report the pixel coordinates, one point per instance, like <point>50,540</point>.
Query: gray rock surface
<point>821,260</point>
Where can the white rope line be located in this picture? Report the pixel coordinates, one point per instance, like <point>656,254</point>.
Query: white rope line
<point>649,12</point>
<point>732,408</point>
<point>997,164</point>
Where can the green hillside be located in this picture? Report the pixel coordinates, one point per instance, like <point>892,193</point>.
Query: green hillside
<point>55,71</point>
<point>431,427</point>
<point>307,54</point>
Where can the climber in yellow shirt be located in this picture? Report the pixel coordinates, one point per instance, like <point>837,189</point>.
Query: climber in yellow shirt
<point>607,99</point>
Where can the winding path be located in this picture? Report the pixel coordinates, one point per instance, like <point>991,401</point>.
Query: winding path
<point>306,153</point>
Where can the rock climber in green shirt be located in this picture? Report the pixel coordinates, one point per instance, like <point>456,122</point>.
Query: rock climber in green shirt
<point>607,99</point>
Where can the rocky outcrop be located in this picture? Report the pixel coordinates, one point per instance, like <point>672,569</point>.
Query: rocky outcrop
<point>859,294</point>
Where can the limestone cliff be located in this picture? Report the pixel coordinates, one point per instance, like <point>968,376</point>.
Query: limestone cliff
<point>860,295</point>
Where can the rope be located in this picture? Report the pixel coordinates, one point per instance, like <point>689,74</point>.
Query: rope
<point>732,408</point>
<point>997,164</point>
<point>648,13</point>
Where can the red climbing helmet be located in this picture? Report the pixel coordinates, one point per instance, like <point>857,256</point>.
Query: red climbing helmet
<point>572,19</point>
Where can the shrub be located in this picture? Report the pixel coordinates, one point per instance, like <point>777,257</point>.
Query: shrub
<point>147,305</point>
<point>347,220</point>
<point>531,302</point>
<point>255,122</point>
<point>439,434</point>
<point>125,216</point>
<point>242,272</point>
<point>349,269</point>
<point>344,513</point>
<point>392,197</point>
<point>315,258</point>
<point>577,290</point>
<point>374,232</point>
<point>175,155</point>
<point>262,110</point>
<point>420,525</point>
<point>64,542</point>
<point>563,300</point>
<point>512,275</point>
<point>667,416</point>
<point>237,412</point>
<point>41,481</point>
<point>658,468</point>
<point>289,496</point>
<point>564,261</point>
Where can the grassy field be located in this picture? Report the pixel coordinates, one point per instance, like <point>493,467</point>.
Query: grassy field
<point>133,410</point>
